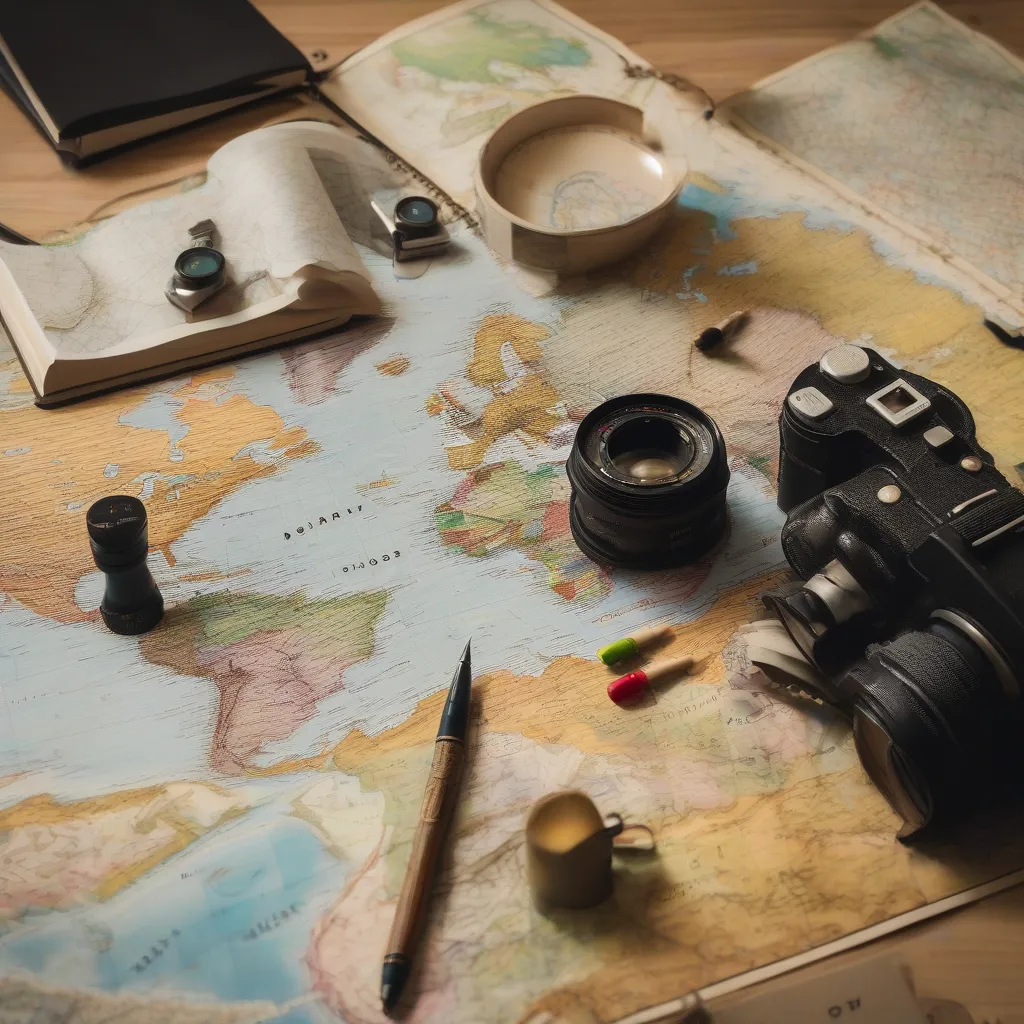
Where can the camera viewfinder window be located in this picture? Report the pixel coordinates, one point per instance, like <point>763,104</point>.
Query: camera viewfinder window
<point>898,400</point>
<point>898,403</point>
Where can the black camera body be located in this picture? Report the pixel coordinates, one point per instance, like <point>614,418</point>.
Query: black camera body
<point>911,546</point>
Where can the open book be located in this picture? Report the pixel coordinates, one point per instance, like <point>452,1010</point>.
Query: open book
<point>92,315</point>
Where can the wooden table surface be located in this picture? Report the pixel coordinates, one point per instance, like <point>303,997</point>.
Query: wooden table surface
<point>723,45</point>
<point>976,955</point>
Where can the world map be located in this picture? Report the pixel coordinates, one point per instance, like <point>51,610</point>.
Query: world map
<point>211,822</point>
<point>949,164</point>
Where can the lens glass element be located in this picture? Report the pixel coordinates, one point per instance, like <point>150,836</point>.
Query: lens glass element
<point>199,266</point>
<point>649,449</point>
<point>416,211</point>
<point>649,445</point>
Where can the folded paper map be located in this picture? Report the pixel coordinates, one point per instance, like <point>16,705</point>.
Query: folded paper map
<point>923,120</point>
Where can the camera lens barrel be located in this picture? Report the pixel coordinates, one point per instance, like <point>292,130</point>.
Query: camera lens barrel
<point>649,475</point>
<point>934,696</point>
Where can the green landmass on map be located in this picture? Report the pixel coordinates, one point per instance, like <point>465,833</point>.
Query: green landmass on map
<point>506,506</point>
<point>227,618</point>
<point>463,50</point>
<point>272,658</point>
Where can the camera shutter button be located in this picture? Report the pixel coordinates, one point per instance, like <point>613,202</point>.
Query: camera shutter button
<point>810,404</point>
<point>847,364</point>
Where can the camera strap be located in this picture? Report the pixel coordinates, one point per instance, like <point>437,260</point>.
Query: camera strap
<point>986,520</point>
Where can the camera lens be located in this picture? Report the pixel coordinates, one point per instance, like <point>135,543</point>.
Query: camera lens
<point>929,719</point>
<point>648,476</point>
<point>416,212</point>
<point>199,266</point>
<point>824,616</point>
<point>648,450</point>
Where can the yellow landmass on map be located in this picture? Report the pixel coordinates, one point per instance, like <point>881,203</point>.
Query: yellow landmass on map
<point>770,840</point>
<point>807,289</point>
<point>393,367</point>
<point>519,403</point>
<point>54,855</point>
<point>831,273</point>
<point>486,368</point>
<point>54,461</point>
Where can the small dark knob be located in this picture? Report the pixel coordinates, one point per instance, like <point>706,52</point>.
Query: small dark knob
<point>119,538</point>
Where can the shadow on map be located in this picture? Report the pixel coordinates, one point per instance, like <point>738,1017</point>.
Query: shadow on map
<point>640,884</point>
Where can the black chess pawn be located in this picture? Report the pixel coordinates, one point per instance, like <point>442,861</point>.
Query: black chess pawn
<point>119,538</point>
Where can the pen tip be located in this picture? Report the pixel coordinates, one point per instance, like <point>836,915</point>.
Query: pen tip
<point>466,652</point>
<point>394,975</point>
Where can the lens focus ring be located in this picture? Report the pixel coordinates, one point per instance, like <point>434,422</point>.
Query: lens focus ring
<point>649,475</point>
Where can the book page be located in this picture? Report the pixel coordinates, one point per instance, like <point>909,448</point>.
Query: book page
<point>434,89</point>
<point>280,229</point>
<point>924,120</point>
<point>273,199</point>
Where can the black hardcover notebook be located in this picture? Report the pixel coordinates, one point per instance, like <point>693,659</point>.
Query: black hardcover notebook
<point>98,74</point>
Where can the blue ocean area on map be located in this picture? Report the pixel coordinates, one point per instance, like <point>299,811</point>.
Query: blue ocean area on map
<point>224,919</point>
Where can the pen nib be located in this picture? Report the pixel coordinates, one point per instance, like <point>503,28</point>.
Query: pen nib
<point>455,716</point>
<point>393,978</point>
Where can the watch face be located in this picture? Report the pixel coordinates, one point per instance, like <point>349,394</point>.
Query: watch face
<point>416,212</point>
<point>200,266</point>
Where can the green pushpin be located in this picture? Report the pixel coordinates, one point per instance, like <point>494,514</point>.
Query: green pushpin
<point>630,646</point>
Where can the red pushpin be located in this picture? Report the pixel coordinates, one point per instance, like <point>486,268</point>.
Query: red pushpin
<point>632,684</point>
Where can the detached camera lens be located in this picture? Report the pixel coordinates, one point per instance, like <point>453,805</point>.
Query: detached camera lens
<point>648,475</point>
<point>199,267</point>
<point>416,212</point>
<point>649,450</point>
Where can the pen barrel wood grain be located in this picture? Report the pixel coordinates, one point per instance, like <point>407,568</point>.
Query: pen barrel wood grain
<point>435,817</point>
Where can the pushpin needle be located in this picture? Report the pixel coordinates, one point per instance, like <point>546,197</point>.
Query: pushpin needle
<point>712,336</point>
